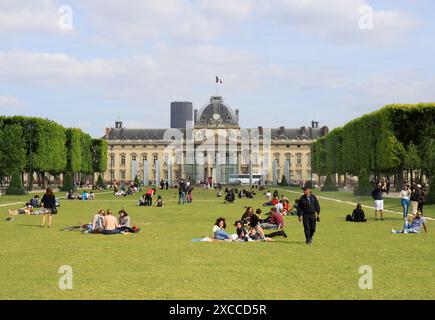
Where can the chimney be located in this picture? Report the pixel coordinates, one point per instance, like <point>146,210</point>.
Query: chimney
<point>108,130</point>
<point>325,130</point>
<point>303,131</point>
<point>281,131</point>
<point>260,131</point>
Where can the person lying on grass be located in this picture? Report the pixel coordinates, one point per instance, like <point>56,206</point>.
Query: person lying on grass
<point>27,210</point>
<point>413,225</point>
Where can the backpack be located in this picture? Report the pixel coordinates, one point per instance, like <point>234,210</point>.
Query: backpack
<point>349,218</point>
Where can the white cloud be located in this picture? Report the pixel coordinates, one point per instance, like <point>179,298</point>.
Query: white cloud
<point>37,17</point>
<point>338,20</point>
<point>9,102</point>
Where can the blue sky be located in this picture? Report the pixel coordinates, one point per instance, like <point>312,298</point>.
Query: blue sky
<point>283,62</point>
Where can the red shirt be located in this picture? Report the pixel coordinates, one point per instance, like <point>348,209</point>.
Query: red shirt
<point>275,202</point>
<point>150,192</point>
<point>276,218</point>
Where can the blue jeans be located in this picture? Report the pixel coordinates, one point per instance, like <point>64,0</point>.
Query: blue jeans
<point>408,228</point>
<point>221,235</point>
<point>182,198</point>
<point>114,231</point>
<point>269,226</point>
<point>405,204</point>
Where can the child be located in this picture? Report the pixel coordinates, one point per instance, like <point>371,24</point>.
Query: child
<point>160,203</point>
<point>189,197</point>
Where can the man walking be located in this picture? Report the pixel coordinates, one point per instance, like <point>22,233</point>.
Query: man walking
<point>309,213</point>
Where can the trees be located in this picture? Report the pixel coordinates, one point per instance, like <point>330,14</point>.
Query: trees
<point>388,141</point>
<point>12,150</point>
<point>99,155</point>
<point>43,146</point>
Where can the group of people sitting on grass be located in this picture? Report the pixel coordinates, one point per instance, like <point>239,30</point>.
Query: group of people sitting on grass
<point>74,195</point>
<point>147,199</point>
<point>281,203</point>
<point>132,188</point>
<point>251,227</point>
<point>105,223</point>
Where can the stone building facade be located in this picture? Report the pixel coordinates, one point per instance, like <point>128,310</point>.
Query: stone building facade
<point>213,146</point>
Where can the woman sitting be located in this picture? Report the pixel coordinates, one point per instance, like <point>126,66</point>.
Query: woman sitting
<point>97,225</point>
<point>219,230</point>
<point>246,218</point>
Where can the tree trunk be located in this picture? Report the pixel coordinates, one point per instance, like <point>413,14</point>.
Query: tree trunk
<point>399,180</point>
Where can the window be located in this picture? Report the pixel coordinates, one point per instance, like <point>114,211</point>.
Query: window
<point>156,157</point>
<point>299,159</point>
<point>276,158</point>
<point>308,159</point>
<point>145,157</point>
<point>133,158</point>
<point>112,160</point>
<point>298,175</point>
<point>288,157</point>
<point>123,160</point>
<point>122,175</point>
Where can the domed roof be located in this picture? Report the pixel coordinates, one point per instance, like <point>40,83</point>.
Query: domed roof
<point>216,114</point>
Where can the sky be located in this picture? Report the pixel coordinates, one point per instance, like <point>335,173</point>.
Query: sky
<point>283,62</point>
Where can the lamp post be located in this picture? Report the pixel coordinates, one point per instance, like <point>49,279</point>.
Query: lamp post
<point>112,176</point>
<point>375,166</point>
<point>30,182</point>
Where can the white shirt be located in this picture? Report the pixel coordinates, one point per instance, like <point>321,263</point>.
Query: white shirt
<point>215,228</point>
<point>406,195</point>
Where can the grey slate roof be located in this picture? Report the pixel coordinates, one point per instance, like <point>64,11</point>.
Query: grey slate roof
<point>158,134</point>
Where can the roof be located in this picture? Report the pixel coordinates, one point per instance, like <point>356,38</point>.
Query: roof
<point>158,134</point>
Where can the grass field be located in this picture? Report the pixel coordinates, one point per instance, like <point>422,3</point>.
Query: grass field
<point>161,262</point>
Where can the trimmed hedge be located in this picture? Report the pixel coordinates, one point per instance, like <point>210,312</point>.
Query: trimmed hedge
<point>15,187</point>
<point>68,183</point>
<point>329,184</point>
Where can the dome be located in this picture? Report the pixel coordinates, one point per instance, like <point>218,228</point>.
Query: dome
<point>216,113</point>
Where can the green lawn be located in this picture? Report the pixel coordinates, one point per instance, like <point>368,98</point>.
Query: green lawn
<point>161,262</point>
